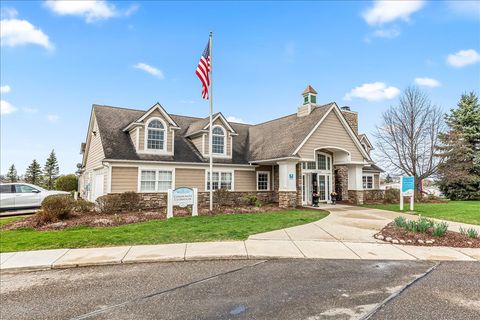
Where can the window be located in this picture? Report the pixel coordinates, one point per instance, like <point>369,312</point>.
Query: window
<point>310,165</point>
<point>156,135</point>
<point>263,180</point>
<point>323,161</point>
<point>23,188</point>
<point>221,180</point>
<point>367,182</point>
<point>218,140</point>
<point>6,188</point>
<point>155,180</point>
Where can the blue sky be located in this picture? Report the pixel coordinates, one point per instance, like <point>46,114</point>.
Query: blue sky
<point>57,59</point>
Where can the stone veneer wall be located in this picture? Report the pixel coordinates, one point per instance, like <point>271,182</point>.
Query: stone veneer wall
<point>287,199</point>
<point>158,200</point>
<point>341,178</point>
<point>355,196</point>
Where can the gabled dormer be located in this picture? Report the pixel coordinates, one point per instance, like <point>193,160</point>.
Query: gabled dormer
<point>153,132</point>
<point>222,136</point>
<point>366,144</point>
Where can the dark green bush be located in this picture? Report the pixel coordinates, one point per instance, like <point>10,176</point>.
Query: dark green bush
<point>68,182</point>
<point>57,207</point>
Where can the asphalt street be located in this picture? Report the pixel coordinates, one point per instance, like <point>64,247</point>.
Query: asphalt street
<point>262,289</point>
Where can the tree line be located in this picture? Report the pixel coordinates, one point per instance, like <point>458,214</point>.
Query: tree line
<point>48,177</point>
<point>417,139</point>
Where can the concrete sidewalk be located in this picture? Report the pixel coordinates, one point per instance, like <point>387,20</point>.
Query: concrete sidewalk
<point>347,233</point>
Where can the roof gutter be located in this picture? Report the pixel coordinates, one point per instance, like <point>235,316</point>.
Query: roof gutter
<point>176,162</point>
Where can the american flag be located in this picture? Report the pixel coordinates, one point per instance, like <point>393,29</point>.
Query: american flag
<point>203,70</point>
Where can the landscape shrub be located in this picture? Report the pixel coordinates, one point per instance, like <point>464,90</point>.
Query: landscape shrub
<point>411,225</point>
<point>250,199</point>
<point>423,224</point>
<point>130,201</point>
<point>68,183</point>
<point>392,196</point>
<point>400,222</point>
<point>440,229</point>
<point>222,197</point>
<point>83,206</point>
<point>109,203</point>
<point>56,207</point>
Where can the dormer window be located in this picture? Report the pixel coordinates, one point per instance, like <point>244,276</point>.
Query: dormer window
<point>218,140</point>
<point>155,135</point>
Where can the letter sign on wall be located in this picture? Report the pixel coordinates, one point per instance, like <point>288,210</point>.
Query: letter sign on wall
<point>182,197</point>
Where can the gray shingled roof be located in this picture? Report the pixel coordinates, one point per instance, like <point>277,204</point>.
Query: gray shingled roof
<point>198,125</point>
<point>269,140</point>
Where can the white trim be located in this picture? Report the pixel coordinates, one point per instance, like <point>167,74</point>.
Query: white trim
<point>340,116</point>
<point>232,171</point>
<point>246,167</point>
<point>366,183</point>
<point>364,137</point>
<point>109,184</point>
<point>156,169</point>
<point>225,122</point>
<point>162,111</point>
<point>276,159</point>
<point>145,137</point>
<point>268,180</point>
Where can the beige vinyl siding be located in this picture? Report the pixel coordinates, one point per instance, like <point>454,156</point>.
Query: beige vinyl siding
<point>168,131</point>
<point>228,144</point>
<point>330,133</point>
<point>133,137</point>
<point>124,179</point>
<point>245,180</point>
<point>191,178</point>
<point>197,142</point>
<point>95,153</point>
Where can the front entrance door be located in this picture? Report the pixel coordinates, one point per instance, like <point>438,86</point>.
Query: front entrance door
<point>315,183</point>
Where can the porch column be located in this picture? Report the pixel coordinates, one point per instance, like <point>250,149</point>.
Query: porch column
<point>287,192</point>
<point>355,183</point>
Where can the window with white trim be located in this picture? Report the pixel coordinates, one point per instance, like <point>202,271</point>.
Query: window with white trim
<point>218,140</point>
<point>263,180</point>
<point>155,180</point>
<point>367,182</point>
<point>221,180</point>
<point>155,135</point>
<point>323,161</point>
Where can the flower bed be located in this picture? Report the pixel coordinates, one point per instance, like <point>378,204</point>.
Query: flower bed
<point>398,233</point>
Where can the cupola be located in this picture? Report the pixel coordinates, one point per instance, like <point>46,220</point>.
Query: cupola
<point>309,101</point>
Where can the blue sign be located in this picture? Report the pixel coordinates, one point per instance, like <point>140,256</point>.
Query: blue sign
<point>408,185</point>
<point>182,197</point>
<point>290,176</point>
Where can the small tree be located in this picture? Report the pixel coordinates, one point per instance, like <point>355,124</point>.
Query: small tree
<point>388,178</point>
<point>460,173</point>
<point>50,171</point>
<point>34,173</point>
<point>68,182</point>
<point>409,135</point>
<point>12,174</point>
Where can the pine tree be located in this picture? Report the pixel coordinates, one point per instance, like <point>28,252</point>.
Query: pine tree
<point>12,174</point>
<point>50,171</point>
<point>34,173</point>
<point>388,178</point>
<point>460,173</point>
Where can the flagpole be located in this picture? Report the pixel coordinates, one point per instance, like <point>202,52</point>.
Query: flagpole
<point>210,138</point>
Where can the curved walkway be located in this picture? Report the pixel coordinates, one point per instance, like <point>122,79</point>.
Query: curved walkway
<point>347,233</point>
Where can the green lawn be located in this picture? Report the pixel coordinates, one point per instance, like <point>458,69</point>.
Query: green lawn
<point>460,211</point>
<point>187,229</point>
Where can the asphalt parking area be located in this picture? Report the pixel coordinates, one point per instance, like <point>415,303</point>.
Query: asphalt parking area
<point>253,289</point>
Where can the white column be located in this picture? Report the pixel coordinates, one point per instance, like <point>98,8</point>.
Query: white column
<point>355,181</point>
<point>287,175</point>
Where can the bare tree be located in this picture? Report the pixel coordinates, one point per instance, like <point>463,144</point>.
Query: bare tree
<point>409,135</point>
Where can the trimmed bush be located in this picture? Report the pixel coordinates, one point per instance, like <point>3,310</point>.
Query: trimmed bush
<point>130,201</point>
<point>83,206</point>
<point>68,183</point>
<point>109,203</point>
<point>250,199</point>
<point>57,207</point>
<point>392,196</point>
<point>222,197</point>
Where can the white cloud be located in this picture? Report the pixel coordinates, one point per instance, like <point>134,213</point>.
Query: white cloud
<point>91,10</point>
<point>388,11</point>
<point>376,91</point>
<point>466,8</point>
<point>150,69</point>
<point>6,107</point>
<point>52,118</point>
<point>8,13</point>
<point>5,89</point>
<point>15,32</point>
<point>235,119</point>
<point>388,33</point>
<point>29,110</point>
<point>427,82</point>
<point>463,58</point>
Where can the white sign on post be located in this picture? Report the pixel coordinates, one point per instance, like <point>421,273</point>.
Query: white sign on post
<point>407,189</point>
<point>182,197</point>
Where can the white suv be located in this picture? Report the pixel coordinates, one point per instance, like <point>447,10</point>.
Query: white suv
<point>23,196</point>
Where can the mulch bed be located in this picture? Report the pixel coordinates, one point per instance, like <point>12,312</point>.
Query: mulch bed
<point>451,238</point>
<point>96,219</point>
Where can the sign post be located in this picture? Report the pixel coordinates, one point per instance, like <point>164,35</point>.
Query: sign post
<point>182,197</point>
<point>407,190</point>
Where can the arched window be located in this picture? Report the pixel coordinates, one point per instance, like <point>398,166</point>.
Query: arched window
<point>155,135</point>
<point>218,140</point>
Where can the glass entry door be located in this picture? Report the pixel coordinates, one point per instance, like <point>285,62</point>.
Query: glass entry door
<point>322,188</point>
